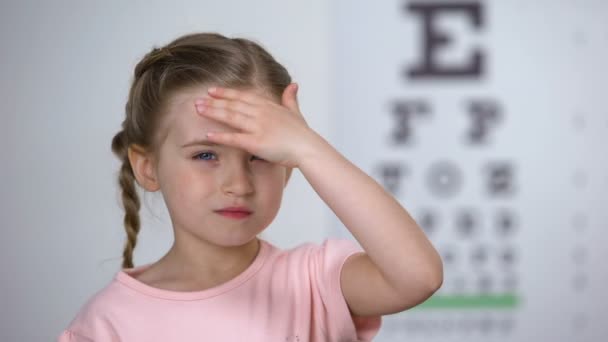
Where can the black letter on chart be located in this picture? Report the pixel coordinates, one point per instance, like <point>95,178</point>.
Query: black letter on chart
<point>404,111</point>
<point>434,40</point>
<point>500,181</point>
<point>390,174</point>
<point>483,114</point>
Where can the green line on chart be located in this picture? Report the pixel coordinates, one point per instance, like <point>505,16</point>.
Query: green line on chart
<point>501,301</point>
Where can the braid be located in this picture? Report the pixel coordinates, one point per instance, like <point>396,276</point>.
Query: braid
<point>130,199</point>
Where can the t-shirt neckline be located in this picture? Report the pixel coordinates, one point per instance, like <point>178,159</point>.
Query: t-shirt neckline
<point>125,278</point>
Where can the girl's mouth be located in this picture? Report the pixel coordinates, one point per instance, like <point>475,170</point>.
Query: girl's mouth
<point>235,214</point>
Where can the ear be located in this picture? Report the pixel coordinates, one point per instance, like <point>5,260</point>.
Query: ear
<point>289,98</point>
<point>142,163</point>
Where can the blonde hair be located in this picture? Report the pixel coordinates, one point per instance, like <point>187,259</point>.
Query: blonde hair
<point>190,60</point>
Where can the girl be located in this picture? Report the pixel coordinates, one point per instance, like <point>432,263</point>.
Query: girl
<point>213,123</point>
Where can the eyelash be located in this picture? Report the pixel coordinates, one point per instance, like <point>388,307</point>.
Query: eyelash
<point>196,157</point>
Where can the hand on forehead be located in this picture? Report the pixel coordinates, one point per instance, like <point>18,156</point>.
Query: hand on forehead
<point>184,123</point>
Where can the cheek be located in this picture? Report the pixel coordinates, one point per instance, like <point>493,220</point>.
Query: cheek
<point>184,179</point>
<point>273,183</point>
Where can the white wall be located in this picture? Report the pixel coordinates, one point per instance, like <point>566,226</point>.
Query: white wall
<point>65,68</point>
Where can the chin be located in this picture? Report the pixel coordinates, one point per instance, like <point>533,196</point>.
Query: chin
<point>237,241</point>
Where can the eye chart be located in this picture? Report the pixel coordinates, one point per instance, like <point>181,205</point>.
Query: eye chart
<point>488,121</point>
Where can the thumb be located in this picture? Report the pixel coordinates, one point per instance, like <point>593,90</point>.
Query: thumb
<point>289,97</point>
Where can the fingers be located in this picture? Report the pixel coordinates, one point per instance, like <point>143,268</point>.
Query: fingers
<point>225,114</point>
<point>239,108</point>
<point>230,105</point>
<point>234,94</point>
<point>288,98</point>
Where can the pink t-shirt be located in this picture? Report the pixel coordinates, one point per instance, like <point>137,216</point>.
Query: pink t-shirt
<point>284,296</point>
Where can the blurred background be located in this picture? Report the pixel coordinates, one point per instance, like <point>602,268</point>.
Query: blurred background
<point>487,120</point>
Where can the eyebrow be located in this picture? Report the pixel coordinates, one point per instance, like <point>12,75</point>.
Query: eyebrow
<point>198,143</point>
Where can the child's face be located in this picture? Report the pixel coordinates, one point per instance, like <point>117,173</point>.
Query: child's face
<point>198,180</point>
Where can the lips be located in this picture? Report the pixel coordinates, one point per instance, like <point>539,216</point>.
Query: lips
<point>235,212</point>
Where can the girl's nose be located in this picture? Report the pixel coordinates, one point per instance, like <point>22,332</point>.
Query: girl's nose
<point>237,181</point>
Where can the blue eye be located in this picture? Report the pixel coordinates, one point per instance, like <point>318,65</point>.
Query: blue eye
<point>205,156</point>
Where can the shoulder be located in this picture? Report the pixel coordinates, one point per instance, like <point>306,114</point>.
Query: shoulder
<point>94,319</point>
<point>106,300</point>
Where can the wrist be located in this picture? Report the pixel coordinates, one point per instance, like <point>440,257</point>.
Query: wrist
<point>313,150</point>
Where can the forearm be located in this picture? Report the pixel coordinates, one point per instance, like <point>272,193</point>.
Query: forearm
<point>387,233</point>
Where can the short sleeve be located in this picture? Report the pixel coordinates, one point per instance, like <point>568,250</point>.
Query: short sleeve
<point>340,325</point>
<point>92,323</point>
<point>69,336</point>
